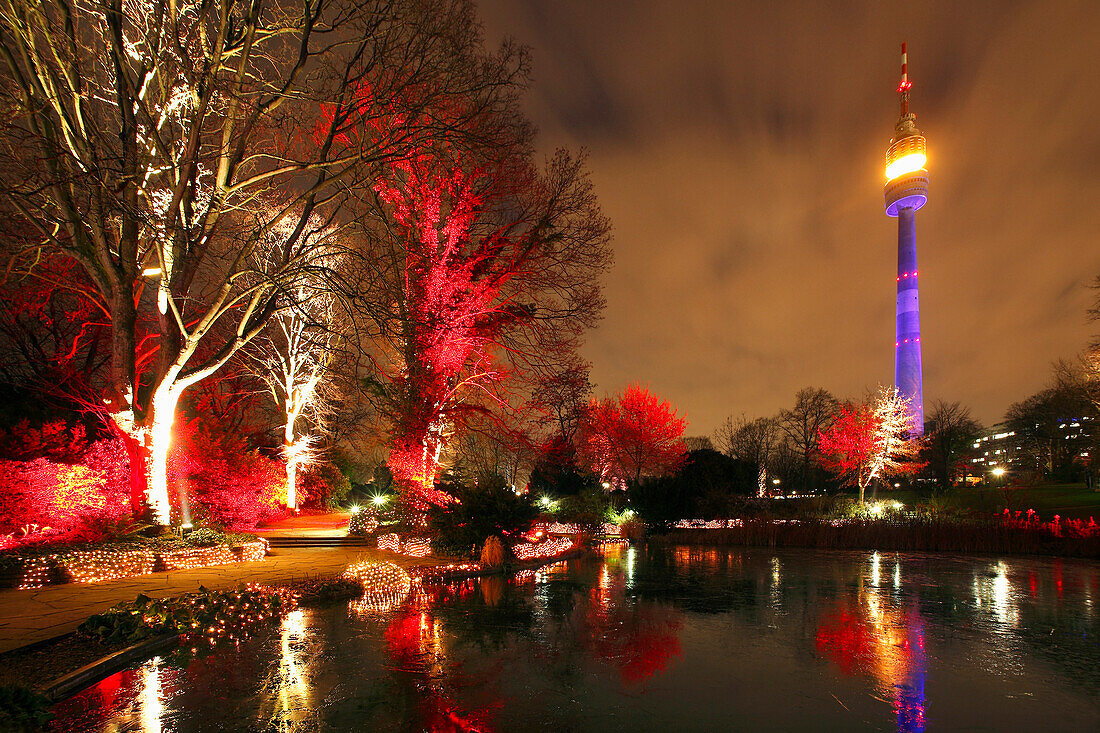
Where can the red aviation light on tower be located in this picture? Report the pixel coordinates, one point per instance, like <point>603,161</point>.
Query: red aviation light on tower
<point>904,85</point>
<point>907,153</point>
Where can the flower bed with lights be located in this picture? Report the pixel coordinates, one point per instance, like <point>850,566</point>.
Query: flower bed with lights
<point>607,529</point>
<point>108,563</point>
<point>412,547</point>
<point>363,521</point>
<point>547,548</point>
<point>208,615</point>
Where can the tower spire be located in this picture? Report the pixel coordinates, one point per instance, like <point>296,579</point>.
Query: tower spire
<point>903,87</point>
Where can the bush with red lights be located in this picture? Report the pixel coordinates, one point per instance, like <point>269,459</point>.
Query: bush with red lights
<point>60,486</point>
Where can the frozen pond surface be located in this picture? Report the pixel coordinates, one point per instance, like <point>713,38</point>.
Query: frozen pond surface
<point>663,639</point>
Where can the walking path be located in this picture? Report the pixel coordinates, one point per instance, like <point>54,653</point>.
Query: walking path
<point>29,616</point>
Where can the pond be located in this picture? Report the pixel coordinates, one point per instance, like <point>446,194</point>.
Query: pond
<point>659,638</point>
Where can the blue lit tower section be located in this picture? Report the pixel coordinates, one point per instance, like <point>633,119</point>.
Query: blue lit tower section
<point>906,192</point>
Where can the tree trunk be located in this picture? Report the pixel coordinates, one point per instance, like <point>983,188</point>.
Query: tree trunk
<point>291,466</point>
<point>158,434</point>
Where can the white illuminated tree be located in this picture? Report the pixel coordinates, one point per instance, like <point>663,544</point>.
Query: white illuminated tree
<point>160,143</point>
<point>870,441</point>
<point>295,360</point>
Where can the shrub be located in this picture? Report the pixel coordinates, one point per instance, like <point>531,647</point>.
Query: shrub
<point>79,501</point>
<point>489,508</point>
<point>588,509</point>
<point>22,709</point>
<point>237,488</point>
<point>492,553</point>
<point>214,614</point>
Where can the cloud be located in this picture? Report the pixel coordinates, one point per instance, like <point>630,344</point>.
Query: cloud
<point>738,152</point>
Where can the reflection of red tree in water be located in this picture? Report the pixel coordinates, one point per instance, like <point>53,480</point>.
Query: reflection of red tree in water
<point>413,644</point>
<point>846,641</point>
<point>639,639</point>
<point>92,708</point>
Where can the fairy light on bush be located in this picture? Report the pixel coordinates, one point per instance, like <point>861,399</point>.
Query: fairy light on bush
<point>547,548</point>
<point>94,566</point>
<point>385,586</point>
<point>414,547</point>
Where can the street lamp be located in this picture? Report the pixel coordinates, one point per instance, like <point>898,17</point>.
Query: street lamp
<point>998,472</point>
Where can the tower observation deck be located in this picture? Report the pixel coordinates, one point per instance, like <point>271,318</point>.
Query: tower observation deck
<point>905,193</point>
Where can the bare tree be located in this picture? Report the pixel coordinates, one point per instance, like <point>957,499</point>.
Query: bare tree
<point>294,361</point>
<point>950,436</point>
<point>813,410</point>
<point>752,441</point>
<point>160,143</point>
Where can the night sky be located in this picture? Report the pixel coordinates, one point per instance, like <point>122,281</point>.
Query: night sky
<point>738,149</point>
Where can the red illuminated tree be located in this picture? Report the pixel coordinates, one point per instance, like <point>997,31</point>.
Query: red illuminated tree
<point>160,145</point>
<point>493,272</point>
<point>870,441</point>
<point>631,435</point>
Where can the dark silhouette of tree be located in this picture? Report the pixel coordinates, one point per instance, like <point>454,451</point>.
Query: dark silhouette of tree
<point>754,441</point>
<point>813,410</point>
<point>949,440</point>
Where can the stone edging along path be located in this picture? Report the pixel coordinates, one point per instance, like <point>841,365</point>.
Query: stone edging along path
<point>77,680</point>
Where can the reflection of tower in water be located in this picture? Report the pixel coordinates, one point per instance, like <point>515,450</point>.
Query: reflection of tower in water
<point>872,638</point>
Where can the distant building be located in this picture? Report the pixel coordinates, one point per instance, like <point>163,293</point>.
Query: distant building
<point>999,447</point>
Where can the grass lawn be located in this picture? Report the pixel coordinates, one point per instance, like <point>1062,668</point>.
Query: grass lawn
<point>1071,501</point>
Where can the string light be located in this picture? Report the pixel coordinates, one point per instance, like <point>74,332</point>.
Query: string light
<point>414,547</point>
<point>547,548</point>
<point>94,566</point>
<point>385,586</point>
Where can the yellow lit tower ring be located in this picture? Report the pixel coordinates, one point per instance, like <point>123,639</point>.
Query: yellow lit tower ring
<point>906,177</point>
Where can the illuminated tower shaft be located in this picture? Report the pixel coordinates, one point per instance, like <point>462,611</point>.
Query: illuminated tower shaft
<point>907,366</point>
<point>906,192</point>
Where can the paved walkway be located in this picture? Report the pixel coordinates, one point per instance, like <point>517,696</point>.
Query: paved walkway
<point>334,524</point>
<point>28,616</point>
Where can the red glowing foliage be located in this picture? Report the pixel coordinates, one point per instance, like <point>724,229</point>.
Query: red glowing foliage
<point>75,488</point>
<point>869,442</point>
<point>237,488</point>
<point>1057,527</point>
<point>452,277</point>
<point>632,435</point>
<point>849,444</point>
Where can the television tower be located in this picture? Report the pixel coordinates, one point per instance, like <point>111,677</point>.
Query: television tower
<point>906,192</point>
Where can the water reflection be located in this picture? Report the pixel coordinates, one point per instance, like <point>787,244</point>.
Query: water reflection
<point>656,638</point>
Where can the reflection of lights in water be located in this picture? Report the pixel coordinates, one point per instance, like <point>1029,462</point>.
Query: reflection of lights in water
<point>293,690</point>
<point>775,591</point>
<point>1003,606</point>
<point>875,569</point>
<point>630,567</point>
<point>897,574</point>
<point>151,707</point>
<point>996,593</point>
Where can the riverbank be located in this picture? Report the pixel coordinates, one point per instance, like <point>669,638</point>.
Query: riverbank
<point>898,535</point>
